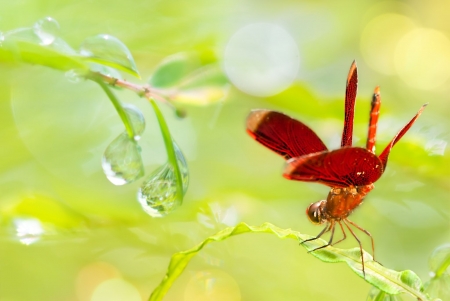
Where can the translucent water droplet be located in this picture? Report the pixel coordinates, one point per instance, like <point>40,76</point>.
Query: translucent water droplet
<point>108,49</point>
<point>122,162</point>
<point>2,38</point>
<point>47,29</point>
<point>158,194</point>
<point>137,120</point>
<point>73,76</point>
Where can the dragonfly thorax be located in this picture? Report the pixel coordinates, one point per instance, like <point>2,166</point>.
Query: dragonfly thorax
<point>338,205</point>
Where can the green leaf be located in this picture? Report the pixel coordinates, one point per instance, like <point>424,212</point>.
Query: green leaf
<point>32,53</point>
<point>389,281</point>
<point>171,152</point>
<point>109,51</point>
<point>173,69</point>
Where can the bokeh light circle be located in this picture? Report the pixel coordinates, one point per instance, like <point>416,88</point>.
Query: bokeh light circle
<point>212,285</point>
<point>116,290</point>
<point>379,40</point>
<point>261,59</point>
<point>422,58</point>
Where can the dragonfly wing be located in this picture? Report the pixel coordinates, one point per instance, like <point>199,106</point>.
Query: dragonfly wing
<point>385,154</point>
<point>283,134</point>
<point>350,96</point>
<point>339,168</point>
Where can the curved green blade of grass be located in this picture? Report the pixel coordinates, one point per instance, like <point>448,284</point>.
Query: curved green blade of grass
<point>170,149</point>
<point>389,281</point>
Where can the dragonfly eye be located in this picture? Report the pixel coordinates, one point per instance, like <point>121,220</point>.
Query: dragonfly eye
<point>314,212</point>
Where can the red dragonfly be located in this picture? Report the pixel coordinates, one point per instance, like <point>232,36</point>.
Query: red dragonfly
<point>349,171</point>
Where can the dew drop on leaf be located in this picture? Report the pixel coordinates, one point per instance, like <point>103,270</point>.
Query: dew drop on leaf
<point>137,120</point>
<point>158,194</point>
<point>47,29</point>
<point>106,49</point>
<point>122,162</point>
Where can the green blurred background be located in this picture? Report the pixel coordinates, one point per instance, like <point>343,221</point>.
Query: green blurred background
<point>96,243</point>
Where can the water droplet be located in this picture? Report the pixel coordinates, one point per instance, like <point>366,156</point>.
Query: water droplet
<point>2,38</point>
<point>28,230</point>
<point>158,194</point>
<point>137,120</point>
<point>122,162</point>
<point>73,76</point>
<point>108,49</point>
<point>47,29</point>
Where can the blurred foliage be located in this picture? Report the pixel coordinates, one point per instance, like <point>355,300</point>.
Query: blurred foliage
<point>67,233</point>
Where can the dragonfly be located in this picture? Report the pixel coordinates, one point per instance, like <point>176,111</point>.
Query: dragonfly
<point>349,171</point>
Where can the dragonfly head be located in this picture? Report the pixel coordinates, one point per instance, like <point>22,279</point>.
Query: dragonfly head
<point>315,212</point>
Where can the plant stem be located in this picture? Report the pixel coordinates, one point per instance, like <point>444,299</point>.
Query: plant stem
<point>150,94</point>
<point>117,105</point>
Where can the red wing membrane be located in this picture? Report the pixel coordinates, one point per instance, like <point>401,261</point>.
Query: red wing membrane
<point>339,168</point>
<point>385,154</point>
<point>350,96</point>
<point>373,121</point>
<point>282,134</point>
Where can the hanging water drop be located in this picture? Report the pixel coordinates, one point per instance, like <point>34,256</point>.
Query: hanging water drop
<point>137,120</point>
<point>158,194</point>
<point>122,162</point>
<point>108,50</point>
<point>47,29</point>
